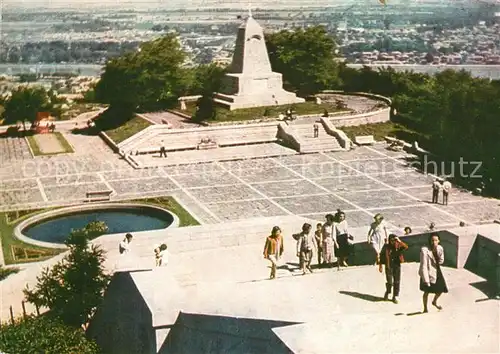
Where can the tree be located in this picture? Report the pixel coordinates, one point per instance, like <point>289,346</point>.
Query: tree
<point>25,103</point>
<point>44,334</point>
<point>73,288</point>
<point>205,79</point>
<point>429,57</point>
<point>150,78</point>
<point>306,58</point>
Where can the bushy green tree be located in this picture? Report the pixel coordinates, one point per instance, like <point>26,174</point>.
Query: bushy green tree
<point>306,58</point>
<point>44,334</point>
<point>73,288</point>
<point>454,114</point>
<point>205,79</point>
<point>24,104</point>
<point>150,78</point>
<point>95,229</point>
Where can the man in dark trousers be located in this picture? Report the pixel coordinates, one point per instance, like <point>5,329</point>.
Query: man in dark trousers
<point>316,130</point>
<point>163,151</point>
<point>436,186</point>
<point>391,257</point>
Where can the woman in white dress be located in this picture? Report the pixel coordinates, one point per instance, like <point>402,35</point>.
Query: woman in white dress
<point>377,235</point>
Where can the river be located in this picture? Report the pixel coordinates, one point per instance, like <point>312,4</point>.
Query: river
<point>485,71</point>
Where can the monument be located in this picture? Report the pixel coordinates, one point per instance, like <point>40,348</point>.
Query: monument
<point>250,81</point>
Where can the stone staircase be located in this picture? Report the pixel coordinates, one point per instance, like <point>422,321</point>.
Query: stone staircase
<point>324,141</point>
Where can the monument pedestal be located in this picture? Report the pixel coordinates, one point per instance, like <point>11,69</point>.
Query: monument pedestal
<point>246,91</point>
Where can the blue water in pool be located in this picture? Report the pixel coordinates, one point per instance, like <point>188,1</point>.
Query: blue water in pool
<point>118,221</point>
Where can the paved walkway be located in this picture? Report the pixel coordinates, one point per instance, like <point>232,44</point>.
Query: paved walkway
<point>175,120</point>
<point>339,311</point>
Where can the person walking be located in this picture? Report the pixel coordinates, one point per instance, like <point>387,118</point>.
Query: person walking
<point>431,277</point>
<point>273,249</point>
<point>305,246</point>
<point>377,235</point>
<point>316,130</point>
<point>392,257</point>
<point>343,247</point>
<point>436,186</point>
<point>329,242</point>
<point>446,191</point>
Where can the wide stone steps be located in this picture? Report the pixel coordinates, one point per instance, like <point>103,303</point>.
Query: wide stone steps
<point>190,138</point>
<point>309,144</point>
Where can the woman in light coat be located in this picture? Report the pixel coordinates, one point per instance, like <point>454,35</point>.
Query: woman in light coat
<point>431,276</point>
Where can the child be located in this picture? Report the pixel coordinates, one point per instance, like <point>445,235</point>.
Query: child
<point>161,255</point>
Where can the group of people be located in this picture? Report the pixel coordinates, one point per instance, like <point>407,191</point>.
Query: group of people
<point>161,254</point>
<point>333,239</point>
<point>330,240</point>
<point>440,185</point>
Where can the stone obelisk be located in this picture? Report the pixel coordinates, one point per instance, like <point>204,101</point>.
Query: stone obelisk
<point>250,81</point>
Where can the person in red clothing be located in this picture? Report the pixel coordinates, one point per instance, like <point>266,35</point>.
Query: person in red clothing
<point>273,249</point>
<point>391,257</point>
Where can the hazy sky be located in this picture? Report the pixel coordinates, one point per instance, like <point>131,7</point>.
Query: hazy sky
<point>184,3</point>
<point>172,4</point>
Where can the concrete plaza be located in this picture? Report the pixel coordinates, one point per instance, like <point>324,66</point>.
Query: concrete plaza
<point>362,182</point>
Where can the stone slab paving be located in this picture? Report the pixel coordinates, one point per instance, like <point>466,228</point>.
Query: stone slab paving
<point>240,210</point>
<point>365,181</point>
<point>296,187</point>
<point>13,150</point>
<point>48,143</point>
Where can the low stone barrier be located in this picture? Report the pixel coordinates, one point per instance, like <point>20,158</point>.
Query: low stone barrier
<point>285,134</point>
<point>484,260</point>
<point>363,254</point>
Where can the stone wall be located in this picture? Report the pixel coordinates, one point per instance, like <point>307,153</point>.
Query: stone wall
<point>123,323</point>
<point>364,254</point>
<point>484,260</point>
<point>380,116</point>
<point>362,94</point>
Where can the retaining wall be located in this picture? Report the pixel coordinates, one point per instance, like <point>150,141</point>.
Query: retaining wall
<point>364,254</point>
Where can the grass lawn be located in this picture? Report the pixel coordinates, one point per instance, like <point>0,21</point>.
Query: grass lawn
<point>16,251</point>
<point>60,138</point>
<point>381,130</point>
<point>127,129</point>
<point>305,108</point>
<point>5,272</point>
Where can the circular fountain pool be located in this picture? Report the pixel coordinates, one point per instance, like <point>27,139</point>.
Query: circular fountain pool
<point>55,226</point>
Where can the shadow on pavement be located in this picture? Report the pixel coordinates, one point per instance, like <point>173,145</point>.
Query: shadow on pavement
<point>362,296</point>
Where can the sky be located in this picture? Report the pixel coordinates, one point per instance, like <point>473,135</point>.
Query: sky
<point>179,3</point>
<point>173,4</point>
